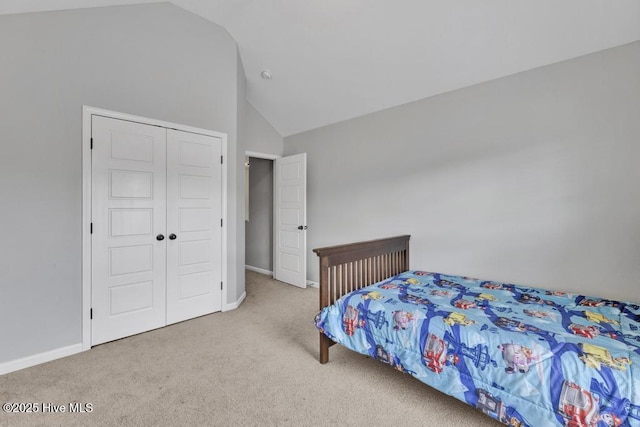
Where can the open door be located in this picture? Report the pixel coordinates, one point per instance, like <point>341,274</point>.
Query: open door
<point>290,220</point>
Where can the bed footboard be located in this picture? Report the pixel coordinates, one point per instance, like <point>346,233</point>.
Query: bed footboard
<point>346,268</point>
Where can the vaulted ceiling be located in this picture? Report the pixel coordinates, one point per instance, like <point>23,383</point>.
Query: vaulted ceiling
<point>331,60</point>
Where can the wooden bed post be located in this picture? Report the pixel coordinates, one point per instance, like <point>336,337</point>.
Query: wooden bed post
<point>325,342</point>
<point>346,268</point>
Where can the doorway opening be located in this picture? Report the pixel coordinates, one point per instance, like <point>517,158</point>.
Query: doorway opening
<point>259,169</point>
<point>288,239</point>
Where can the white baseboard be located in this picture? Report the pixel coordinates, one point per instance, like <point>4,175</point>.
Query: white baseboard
<point>258,270</point>
<point>313,284</point>
<point>236,304</point>
<point>36,359</point>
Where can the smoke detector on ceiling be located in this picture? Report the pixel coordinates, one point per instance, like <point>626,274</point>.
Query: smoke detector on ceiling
<point>266,74</point>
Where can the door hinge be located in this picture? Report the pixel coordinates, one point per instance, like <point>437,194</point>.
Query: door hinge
<point>91,313</point>
<point>221,159</point>
<point>91,229</point>
<point>221,286</point>
<point>92,143</point>
<point>221,222</point>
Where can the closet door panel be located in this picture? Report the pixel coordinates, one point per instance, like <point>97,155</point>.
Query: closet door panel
<point>194,194</point>
<point>128,212</point>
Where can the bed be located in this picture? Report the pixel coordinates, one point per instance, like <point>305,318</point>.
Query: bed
<point>522,355</point>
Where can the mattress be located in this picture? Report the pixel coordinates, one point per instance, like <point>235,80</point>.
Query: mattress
<point>524,356</point>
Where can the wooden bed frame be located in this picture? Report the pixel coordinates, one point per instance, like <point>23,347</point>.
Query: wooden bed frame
<point>346,268</point>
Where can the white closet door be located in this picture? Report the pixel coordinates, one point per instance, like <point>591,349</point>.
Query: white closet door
<point>194,247</point>
<point>128,213</point>
<point>290,213</point>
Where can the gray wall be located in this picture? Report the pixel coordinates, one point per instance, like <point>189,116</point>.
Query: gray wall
<point>236,198</point>
<point>531,178</point>
<point>259,228</point>
<point>260,136</point>
<point>153,60</point>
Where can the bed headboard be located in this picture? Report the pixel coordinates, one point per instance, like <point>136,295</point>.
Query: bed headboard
<point>345,268</point>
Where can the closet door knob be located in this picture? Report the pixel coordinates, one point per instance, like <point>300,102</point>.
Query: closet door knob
<point>159,237</point>
<point>172,236</point>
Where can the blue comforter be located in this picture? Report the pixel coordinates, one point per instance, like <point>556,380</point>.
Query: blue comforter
<point>524,356</point>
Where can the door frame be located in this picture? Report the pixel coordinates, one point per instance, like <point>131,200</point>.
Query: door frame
<point>87,113</point>
<point>273,157</point>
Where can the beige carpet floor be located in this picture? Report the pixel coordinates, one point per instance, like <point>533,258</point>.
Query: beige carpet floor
<point>256,365</point>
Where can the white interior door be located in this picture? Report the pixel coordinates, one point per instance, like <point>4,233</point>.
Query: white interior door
<point>194,228</point>
<point>290,220</point>
<point>128,217</point>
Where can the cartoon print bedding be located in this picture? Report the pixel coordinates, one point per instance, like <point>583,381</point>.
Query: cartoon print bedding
<point>524,356</point>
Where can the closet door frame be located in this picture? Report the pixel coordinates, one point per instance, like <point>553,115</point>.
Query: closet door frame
<point>87,113</point>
